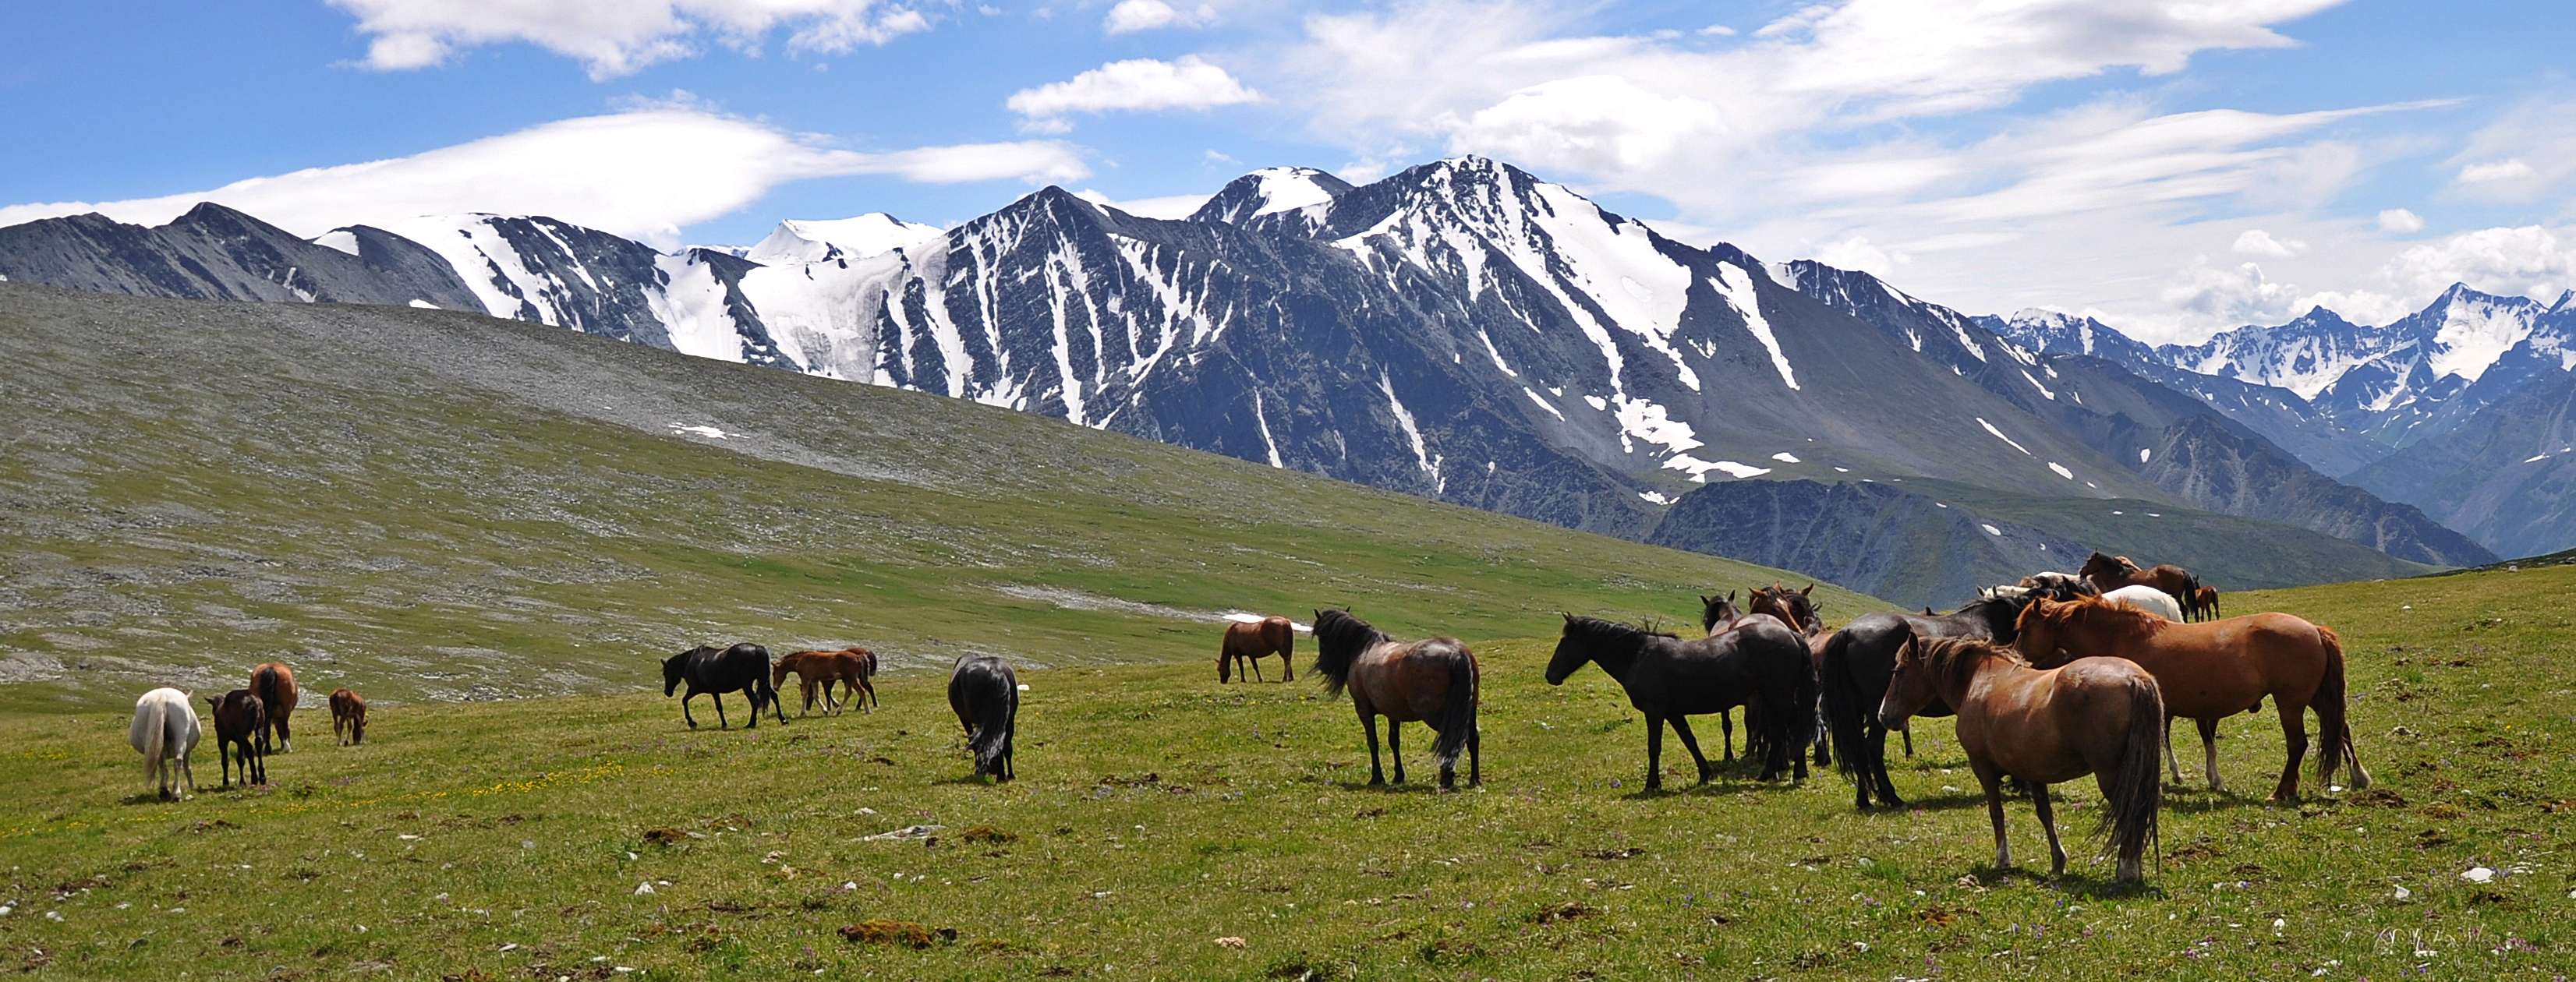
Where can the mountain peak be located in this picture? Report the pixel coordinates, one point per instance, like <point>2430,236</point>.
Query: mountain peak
<point>2566,301</point>
<point>1271,190</point>
<point>800,240</point>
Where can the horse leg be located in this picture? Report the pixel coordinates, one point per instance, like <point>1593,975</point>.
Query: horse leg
<point>2208,750</point>
<point>1993,781</point>
<point>1395,746</point>
<point>1876,744</point>
<point>1256,668</point>
<point>2294,739</point>
<point>2048,821</point>
<point>224,754</point>
<point>1726,733</point>
<point>1824,739</point>
<point>2170,762</point>
<point>1681,728</point>
<point>1476,763</point>
<point>1908,732</point>
<point>870,689</point>
<point>684,709</point>
<point>720,713</point>
<point>1368,725</point>
<point>1654,752</point>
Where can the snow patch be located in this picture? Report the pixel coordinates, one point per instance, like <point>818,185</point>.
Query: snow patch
<point>2145,454</point>
<point>1990,530</point>
<point>2061,470</point>
<point>1785,457</point>
<point>339,238</point>
<point>709,432</point>
<point>1736,286</point>
<point>422,304</point>
<point>1999,434</point>
<point>1412,434</point>
<point>1655,497</point>
<point>1698,469</point>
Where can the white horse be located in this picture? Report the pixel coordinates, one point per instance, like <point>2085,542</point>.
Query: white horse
<point>2149,599</point>
<point>165,730</point>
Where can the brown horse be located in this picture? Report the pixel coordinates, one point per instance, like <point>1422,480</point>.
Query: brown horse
<point>2098,716</point>
<point>1806,617</point>
<point>1430,681</point>
<point>2215,669</point>
<point>1719,615</point>
<point>2108,573</point>
<point>851,667</point>
<point>2204,604</point>
<point>275,687</point>
<point>241,735</point>
<point>1246,642</point>
<point>348,717</point>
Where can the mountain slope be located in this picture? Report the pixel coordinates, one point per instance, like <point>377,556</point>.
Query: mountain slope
<point>2506,475</point>
<point>437,505</point>
<point>213,252</point>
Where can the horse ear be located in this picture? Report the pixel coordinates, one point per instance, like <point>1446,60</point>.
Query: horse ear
<point>1811,589</point>
<point>1730,596</point>
<point>1568,615</point>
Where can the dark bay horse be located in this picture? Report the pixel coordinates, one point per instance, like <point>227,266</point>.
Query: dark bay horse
<point>241,735</point>
<point>1758,663</point>
<point>2215,669</point>
<point>985,694</point>
<point>1718,615</point>
<point>1805,616</point>
<point>715,671</point>
<point>2204,604</point>
<point>851,667</point>
<point>1433,681</point>
<point>1246,642</point>
<point>274,684</point>
<point>2098,716</point>
<point>1857,664</point>
<point>348,717</point>
<point>2108,573</point>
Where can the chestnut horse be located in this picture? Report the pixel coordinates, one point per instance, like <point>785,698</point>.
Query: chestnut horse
<point>348,717</point>
<point>852,667</point>
<point>1854,676</point>
<point>1247,641</point>
<point>275,687</point>
<point>241,735</point>
<point>1430,681</point>
<point>2098,716</point>
<point>2108,573</point>
<point>2215,669</point>
<point>2204,604</point>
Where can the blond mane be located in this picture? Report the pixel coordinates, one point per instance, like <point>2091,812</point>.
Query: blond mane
<point>2076,611</point>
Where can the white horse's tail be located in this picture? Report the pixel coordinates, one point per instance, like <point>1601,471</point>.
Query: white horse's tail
<point>151,733</point>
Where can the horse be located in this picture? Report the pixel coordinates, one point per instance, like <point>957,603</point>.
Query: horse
<point>2098,716</point>
<point>2108,573</point>
<point>2204,603</point>
<point>165,732</point>
<point>2146,598</point>
<point>241,731</point>
<point>348,717</point>
<point>985,694</point>
<point>1247,641</point>
<point>1854,677</point>
<point>1719,615</point>
<point>852,667</point>
<point>1669,680</point>
<point>1806,617</point>
<point>2215,669</point>
<point>1433,681</point>
<point>715,671</point>
<point>274,684</point>
<point>2059,586</point>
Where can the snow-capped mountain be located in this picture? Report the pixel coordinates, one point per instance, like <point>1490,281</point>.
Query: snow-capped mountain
<point>214,252</point>
<point>1271,191</point>
<point>800,241</point>
<point>2057,333</point>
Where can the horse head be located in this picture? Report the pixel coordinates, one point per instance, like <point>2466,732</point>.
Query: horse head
<point>1910,687</point>
<point>1571,655</point>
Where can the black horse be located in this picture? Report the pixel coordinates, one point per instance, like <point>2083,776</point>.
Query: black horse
<point>1858,662</point>
<point>241,736</point>
<point>715,671</point>
<point>1760,663</point>
<point>986,695</point>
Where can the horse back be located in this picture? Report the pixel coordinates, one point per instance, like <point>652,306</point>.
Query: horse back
<point>1409,681</point>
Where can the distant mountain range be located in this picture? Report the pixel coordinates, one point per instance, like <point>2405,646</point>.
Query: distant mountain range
<point>1465,331</point>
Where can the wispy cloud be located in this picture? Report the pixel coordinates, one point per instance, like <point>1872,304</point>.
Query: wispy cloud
<point>617,38</point>
<point>1140,84</point>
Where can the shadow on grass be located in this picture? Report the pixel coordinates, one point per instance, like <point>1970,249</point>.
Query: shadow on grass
<point>2079,884</point>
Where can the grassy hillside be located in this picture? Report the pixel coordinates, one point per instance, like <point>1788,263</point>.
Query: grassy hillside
<point>1158,815</point>
<point>2230,552</point>
<point>434,505</point>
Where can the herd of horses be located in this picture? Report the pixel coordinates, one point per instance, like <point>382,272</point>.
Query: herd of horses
<point>166,728</point>
<point>2050,679</point>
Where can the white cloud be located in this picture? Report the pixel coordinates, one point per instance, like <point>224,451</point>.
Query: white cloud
<point>2490,173</point>
<point>2528,260</point>
<point>1215,156</point>
<point>1145,15</point>
<point>2238,294</point>
<point>2256,242</point>
<point>645,172</point>
<point>617,37</point>
<point>2400,221</point>
<point>1856,252</point>
<point>1138,84</point>
<point>1717,31</point>
<point>1593,124</point>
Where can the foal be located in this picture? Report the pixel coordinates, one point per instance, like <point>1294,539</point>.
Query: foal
<point>850,666</point>
<point>348,717</point>
<point>241,737</point>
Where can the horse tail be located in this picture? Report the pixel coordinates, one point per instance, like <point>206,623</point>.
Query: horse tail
<point>1225,659</point>
<point>992,728</point>
<point>1803,698</point>
<point>155,726</point>
<point>2137,794</point>
<point>2332,729</point>
<point>1457,716</point>
<point>1841,699</point>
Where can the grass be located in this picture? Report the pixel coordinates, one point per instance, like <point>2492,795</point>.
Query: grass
<point>1159,814</point>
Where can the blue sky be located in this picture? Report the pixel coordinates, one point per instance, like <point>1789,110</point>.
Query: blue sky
<point>2172,170</point>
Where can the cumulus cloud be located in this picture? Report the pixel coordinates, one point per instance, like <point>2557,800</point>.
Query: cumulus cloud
<point>1140,84</point>
<point>617,38</point>
<point>1145,15</point>
<point>2400,221</point>
<point>2256,242</point>
<point>645,172</point>
<point>2528,260</point>
<point>1856,252</point>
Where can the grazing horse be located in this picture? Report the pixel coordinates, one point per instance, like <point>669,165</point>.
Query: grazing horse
<point>851,667</point>
<point>348,717</point>
<point>715,671</point>
<point>1247,641</point>
<point>985,693</point>
<point>1669,680</point>
<point>2108,573</point>
<point>1432,681</point>
<point>2204,603</point>
<point>2098,716</point>
<point>275,687</point>
<point>1718,615</point>
<point>165,731</point>
<point>2215,669</point>
<point>241,728</point>
<point>1857,664</point>
<point>1806,617</point>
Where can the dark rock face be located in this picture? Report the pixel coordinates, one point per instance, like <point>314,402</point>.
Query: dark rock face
<point>214,252</point>
<point>1874,538</point>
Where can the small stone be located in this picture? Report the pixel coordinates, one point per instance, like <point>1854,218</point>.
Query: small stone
<point>643,888</point>
<point>2478,874</point>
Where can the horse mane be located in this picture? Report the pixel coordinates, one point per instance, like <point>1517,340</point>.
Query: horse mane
<point>2072,611</point>
<point>1950,659</point>
<point>1339,640</point>
<point>1601,631</point>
